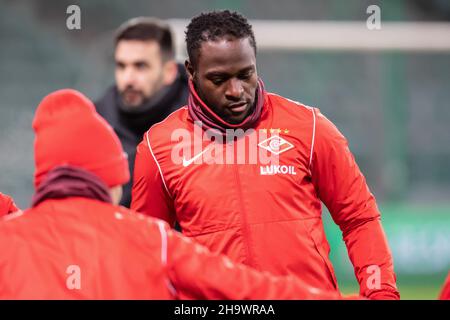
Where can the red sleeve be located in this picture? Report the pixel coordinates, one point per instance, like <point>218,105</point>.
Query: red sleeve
<point>445,293</point>
<point>7,205</point>
<point>196,273</point>
<point>343,189</point>
<point>149,194</point>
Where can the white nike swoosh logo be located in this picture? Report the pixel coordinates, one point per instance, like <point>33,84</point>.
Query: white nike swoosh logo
<point>190,161</point>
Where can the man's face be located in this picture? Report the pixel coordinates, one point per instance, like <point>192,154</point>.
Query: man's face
<point>139,70</point>
<point>225,77</point>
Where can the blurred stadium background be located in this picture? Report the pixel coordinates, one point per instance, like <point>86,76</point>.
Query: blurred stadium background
<point>392,103</point>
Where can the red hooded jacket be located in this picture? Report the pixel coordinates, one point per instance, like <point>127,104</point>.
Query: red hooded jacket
<point>267,216</point>
<point>80,248</point>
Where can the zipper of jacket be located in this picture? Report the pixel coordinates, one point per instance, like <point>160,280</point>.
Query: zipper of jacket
<point>245,226</point>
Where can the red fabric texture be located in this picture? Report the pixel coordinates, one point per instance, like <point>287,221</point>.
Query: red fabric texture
<point>270,222</point>
<point>70,132</point>
<point>7,205</point>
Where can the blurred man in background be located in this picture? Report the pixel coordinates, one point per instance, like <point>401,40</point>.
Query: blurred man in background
<point>7,205</point>
<point>149,84</point>
<point>76,243</point>
<point>266,216</point>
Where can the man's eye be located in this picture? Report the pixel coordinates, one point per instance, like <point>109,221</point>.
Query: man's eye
<point>217,81</point>
<point>245,76</point>
<point>141,66</point>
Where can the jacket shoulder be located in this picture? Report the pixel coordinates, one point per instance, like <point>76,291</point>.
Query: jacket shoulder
<point>292,107</point>
<point>303,114</point>
<point>133,217</point>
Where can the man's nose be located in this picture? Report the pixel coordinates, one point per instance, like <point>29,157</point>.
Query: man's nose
<point>235,90</point>
<point>129,76</point>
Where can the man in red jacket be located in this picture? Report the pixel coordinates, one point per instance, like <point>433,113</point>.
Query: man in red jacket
<point>7,205</point>
<point>76,243</point>
<point>244,171</point>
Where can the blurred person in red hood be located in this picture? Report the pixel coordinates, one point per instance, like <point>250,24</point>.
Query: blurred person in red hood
<point>75,242</point>
<point>7,205</point>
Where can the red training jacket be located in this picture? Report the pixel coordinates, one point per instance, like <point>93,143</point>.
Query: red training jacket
<point>267,216</point>
<point>79,248</point>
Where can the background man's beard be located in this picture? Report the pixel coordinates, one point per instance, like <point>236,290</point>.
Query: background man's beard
<point>138,96</point>
<point>132,98</point>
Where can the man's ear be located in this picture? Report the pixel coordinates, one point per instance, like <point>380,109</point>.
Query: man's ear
<point>170,72</point>
<point>190,69</point>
